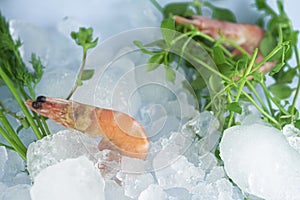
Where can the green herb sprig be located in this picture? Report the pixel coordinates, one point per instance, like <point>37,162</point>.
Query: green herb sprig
<point>83,38</point>
<point>278,45</point>
<point>22,83</point>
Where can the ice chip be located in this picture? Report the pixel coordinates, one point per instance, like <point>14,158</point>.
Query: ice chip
<point>205,126</point>
<point>292,135</point>
<point>215,174</point>
<point>202,125</point>
<point>19,192</point>
<point>114,191</point>
<point>153,192</point>
<point>181,173</point>
<point>225,189</point>
<point>208,161</point>
<point>178,194</point>
<point>133,165</point>
<point>255,156</point>
<point>74,179</point>
<point>134,184</point>
<point>109,163</point>
<point>14,165</point>
<point>57,147</point>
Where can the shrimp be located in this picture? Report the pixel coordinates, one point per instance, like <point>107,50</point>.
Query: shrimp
<point>119,131</point>
<point>248,36</point>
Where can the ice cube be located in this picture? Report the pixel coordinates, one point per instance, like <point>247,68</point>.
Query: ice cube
<point>261,162</point>
<point>3,159</point>
<point>292,135</point>
<point>215,174</point>
<point>180,173</point>
<point>14,165</point>
<point>221,189</point>
<point>27,136</point>
<point>134,184</point>
<point>57,147</point>
<point>208,161</point>
<point>153,192</point>
<point>109,163</point>
<point>205,126</point>
<point>225,189</point>
<point>133,165</point>
<point>74,179</point>
<point>178,194</point>
<point>114,191</point>
<point>21,178</point>
<point>204,191</point>
<point>20,192</point>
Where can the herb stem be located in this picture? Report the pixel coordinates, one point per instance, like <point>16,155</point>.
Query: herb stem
<point>13,114</point>
<point>11,131</point>
<point>43,119</point>
<point>243,82</point>
<point>251,87</point>
<point>20,148</point>
<point>37,119</point>
<point>78,80</point>
<point>223,40</point>
<point>270,55</point>
<point>157,5</point>
<point>6,146</point>
<point>215,71</point>
<point>261,110</point>
<point>273,100</point>
<point>14,92</point>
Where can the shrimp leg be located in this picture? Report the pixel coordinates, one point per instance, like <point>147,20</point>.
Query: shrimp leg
<point>119,131</point>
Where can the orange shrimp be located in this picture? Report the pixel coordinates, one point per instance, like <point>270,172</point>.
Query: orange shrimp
<point>119,131</point>
<point>248,36</point>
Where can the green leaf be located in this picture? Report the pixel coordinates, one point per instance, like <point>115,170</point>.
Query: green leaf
<point>168,30</point>
<point>140,45</point>
<point>281,91</point>
<point>170,74</point>
<point>260,4</point>
<point>288,76</point>
<point>218,55</point>
<point>276,68</point>
<point>297,124</point>
<point>226,69</point>
<point>84,38</point>
<point>154,61</point>
<point>176,9</point>
<point>87,74</point>
<point>38,68</point>
<point>267,44</point>
<point>24,122</point>
<point>235,107</point>
<point>198,83</point>
<point>221,13</point>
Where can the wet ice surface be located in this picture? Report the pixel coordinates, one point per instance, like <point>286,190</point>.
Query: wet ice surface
<point>256,155</point>
<point>185,175</point>
<point>58,147</point>
<point>75,179</point>
<point>14,181</point>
